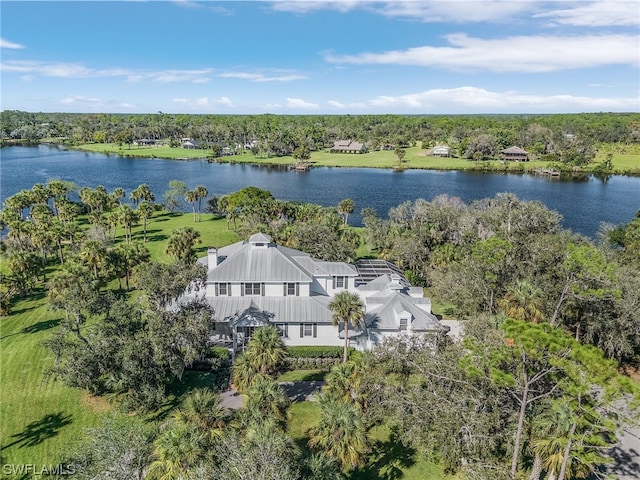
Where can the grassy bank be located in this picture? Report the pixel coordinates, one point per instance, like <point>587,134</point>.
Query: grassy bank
<point>625,160</point>
<point>40,418</point>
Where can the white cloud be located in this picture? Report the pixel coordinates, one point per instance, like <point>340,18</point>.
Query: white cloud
<point>82,103</point>
<point>336,104</point>
<point>309,7</point>
<point>456,11</point>
<point>225,101</point>
<point>7,44</point>
<point>596,14</point>
<point>478,100</point>
<point>203,103</point>
<point>512,54</point>
<point>259,77</point>
<point>76,70</point>
<point>298,103</point>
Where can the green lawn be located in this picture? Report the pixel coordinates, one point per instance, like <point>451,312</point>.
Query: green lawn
<point>625,159</point>
<point>39,417</point>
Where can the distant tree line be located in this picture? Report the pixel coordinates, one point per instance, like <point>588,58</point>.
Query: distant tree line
<point>567,138</point>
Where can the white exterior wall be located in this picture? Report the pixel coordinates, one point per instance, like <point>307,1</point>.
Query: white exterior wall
<point>326,335</point>
<point>273,290</point>
<point>305,290</point>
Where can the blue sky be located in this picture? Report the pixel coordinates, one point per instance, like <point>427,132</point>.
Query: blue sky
<point>317,57</point>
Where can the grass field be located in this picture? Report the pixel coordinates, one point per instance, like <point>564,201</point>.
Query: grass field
<point>625,160</point>
<point>40,418</point>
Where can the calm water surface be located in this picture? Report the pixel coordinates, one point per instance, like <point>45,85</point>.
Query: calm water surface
<point>584,204</point>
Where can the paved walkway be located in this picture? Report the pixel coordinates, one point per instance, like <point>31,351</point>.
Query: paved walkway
<point>297,391</point>
<point>626,456</point>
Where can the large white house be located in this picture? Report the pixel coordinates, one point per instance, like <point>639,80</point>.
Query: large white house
<point>256,282</point>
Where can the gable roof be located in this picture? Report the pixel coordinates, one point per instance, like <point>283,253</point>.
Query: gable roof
<point>254,264</point>
<point>515,150</point>
<point>382,312</point>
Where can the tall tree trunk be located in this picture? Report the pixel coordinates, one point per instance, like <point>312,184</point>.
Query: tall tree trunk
<point>346,342</point>
<point>536,469</point>
<point>563,296</point>
<point>518,440</point>
<point>567,452</point>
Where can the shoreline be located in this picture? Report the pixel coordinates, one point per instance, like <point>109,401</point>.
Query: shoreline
<point>415,160</point>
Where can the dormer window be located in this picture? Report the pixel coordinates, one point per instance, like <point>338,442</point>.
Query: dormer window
<point>403,324</point>
<point>291,290</point>
<point>223,290</point>
<point>252,288</point>
<point>340,282</point>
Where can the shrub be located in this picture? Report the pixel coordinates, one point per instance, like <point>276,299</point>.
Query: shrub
<point>315,352</point>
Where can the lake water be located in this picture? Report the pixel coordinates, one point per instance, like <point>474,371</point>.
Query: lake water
<point>584,204</point>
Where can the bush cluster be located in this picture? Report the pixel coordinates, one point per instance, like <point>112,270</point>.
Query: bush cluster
<point>315,352</point>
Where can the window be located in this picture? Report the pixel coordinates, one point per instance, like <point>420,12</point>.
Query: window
<point>223,290</point>
<point>253,289</point>
<point>291,290</point>
<point>308,330</point>
<point>339,282</point>
<point>404,322</point>
<point>284,329</point>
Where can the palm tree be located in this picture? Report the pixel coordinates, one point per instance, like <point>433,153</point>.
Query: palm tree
<point>201,193</point>
<point>340,434</point>
<point>266,399</point>
<point>244,375</point>
<point>347,309</point>
<point>142,192</point>
<point>127,217</point>
<point>524,301</point>
<point>127,256</point>
<point>145,212</point>
<point>344,383</point>
<point>345,207</point>
<point>190,197</point>
<point>181,243</point>
<point>178,448</point>
<point>202,408</point>
<point>93,254</point>
<point>266,351</point>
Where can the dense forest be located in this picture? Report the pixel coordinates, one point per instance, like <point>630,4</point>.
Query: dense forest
<point>534,391</point>
<point>568,138</point>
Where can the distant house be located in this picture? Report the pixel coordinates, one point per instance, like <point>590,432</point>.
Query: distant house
<point>514,154</point>
<point>146,142</point>
<point>347,146</point>
<point>256,282</point>
<point>189,143</point>
<point>441,151</point>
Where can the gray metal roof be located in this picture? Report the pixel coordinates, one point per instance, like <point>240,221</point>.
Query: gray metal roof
<point>320,267</point>
<point>382,312</point>
<point>284,309</point>
<point>258,264</point>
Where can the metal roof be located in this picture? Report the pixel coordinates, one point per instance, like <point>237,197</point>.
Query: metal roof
<point>258,264</point>
<point>284,309</point>
<point>383,316</point>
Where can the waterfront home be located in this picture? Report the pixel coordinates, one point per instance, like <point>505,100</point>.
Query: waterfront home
<point>348,146</point>
<point>515,154</point>
<point>441,151</point>
<point>257,282</point>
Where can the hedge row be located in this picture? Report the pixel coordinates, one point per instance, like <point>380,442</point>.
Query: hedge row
<point>316,352</point>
